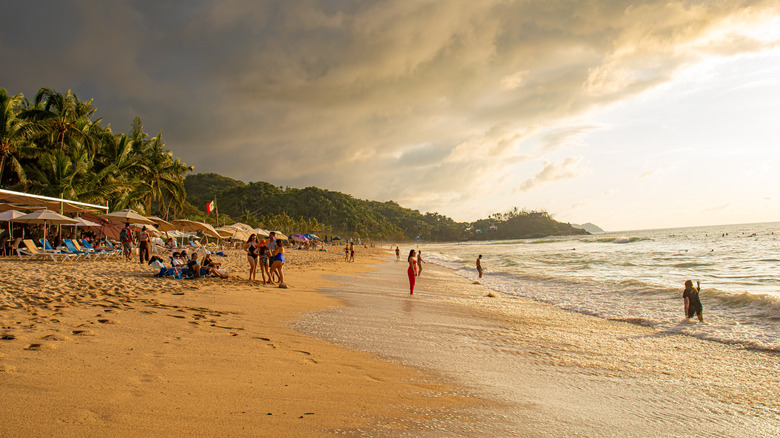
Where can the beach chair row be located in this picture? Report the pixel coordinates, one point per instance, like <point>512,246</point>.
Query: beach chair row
<point>73,250</point>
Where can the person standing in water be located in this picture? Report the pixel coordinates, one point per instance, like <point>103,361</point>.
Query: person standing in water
<point>691,298</point>
<point>412,271</point>
<point>479,265</point>
<point>419,263</point>
<point>397,254</point>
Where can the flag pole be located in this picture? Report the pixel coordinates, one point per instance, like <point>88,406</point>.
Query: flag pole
<point>216,209</point>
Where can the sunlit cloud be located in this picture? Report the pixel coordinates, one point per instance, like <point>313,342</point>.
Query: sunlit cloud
<point>552,171</point>
<point>411,101</point>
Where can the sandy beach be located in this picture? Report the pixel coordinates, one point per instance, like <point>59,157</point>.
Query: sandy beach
<point>96,346</point>
<point>100,347</point>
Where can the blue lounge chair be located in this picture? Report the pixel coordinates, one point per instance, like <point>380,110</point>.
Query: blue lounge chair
<point>72,248</point>
<point>106,251</point>
<point>50,249</point>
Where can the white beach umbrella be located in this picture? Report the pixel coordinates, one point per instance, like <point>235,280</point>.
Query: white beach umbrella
<point>10,216</point>
<point>161,224</point>
<point>188,225</point>
<point>45,217</point>
<point>128,216</point>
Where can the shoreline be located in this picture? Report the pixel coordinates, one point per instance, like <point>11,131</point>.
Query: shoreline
<point>553,372</point>
<point>106,346</point>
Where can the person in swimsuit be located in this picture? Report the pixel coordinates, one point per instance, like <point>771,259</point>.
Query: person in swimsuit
<point>278,263</point>
<point>351,252</point>
<point>691,299</point>
<point>143,245</point>
<point>412,271</point>
<point>397,254</point>
<point>251,255</point>
<point>265,255</point>
<point>420,261</point>
<point>479,265</point>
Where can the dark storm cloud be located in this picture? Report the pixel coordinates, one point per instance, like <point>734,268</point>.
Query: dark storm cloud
<point>412,101</point>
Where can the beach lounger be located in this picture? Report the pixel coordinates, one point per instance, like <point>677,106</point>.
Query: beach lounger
<point>32,252</point>
<point>107,251</point>
<point>48,248</point>
<point>73,250</point>
<point>92,252</point>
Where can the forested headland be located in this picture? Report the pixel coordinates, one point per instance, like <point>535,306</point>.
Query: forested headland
<point>54,145</point>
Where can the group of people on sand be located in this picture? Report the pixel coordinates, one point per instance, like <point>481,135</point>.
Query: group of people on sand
<point>349,252</point>
<point>269,255</point>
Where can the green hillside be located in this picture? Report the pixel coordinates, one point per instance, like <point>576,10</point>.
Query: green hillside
<point>323,211</point>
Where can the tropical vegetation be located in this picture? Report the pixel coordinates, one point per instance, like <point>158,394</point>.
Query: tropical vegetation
<point>54,145</point>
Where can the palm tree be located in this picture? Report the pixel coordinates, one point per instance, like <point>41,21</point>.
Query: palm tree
<point>60,120</point>
<point>13,140</point>
<point>160,178</point>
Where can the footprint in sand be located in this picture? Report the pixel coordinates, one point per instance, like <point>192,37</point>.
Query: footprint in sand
<point>55,337</point>
<point>37,347</point>
<point>83,332</point>
<point>5,368</point>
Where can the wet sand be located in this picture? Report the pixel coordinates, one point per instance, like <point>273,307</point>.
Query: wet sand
<point>100,347</point>
<point>551,372</point>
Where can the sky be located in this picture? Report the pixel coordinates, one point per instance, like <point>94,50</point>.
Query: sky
<point>627,114</point>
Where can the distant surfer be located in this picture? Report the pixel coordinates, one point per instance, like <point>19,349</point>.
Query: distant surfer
<point>479,265</point>
<point>692,302</point>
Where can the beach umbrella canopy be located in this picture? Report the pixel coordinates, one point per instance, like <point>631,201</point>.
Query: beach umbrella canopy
<point>241,226</point>
<point>161,224</point>
<point>10,216</point>
<point>45,217</point>
<point>335,238</point>
<point>299,238</point>
<point>81,222</point>
<point>234,233</point>
<point>128,216</point>
<point>188,225</point>
<point>261,232</point>
<point>280,236</point>
<point>311,236</point>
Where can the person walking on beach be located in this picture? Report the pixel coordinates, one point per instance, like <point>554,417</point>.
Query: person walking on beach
<point>126,237</point>
<point>420,261</point>
<point>691,299</point>
<point>397,254</point>
<point>351,252</point>
<point>143,245</point>
<point>251,248</point>
<point>412,271</point>
<point>479,265</point>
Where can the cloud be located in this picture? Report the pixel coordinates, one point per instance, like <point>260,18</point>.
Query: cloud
<point>566,169</point>
<point>411,101</point>
<point>647,173</point>
<point>560,137</point>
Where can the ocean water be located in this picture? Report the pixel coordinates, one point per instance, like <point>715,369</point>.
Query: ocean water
<point>638,277</point>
